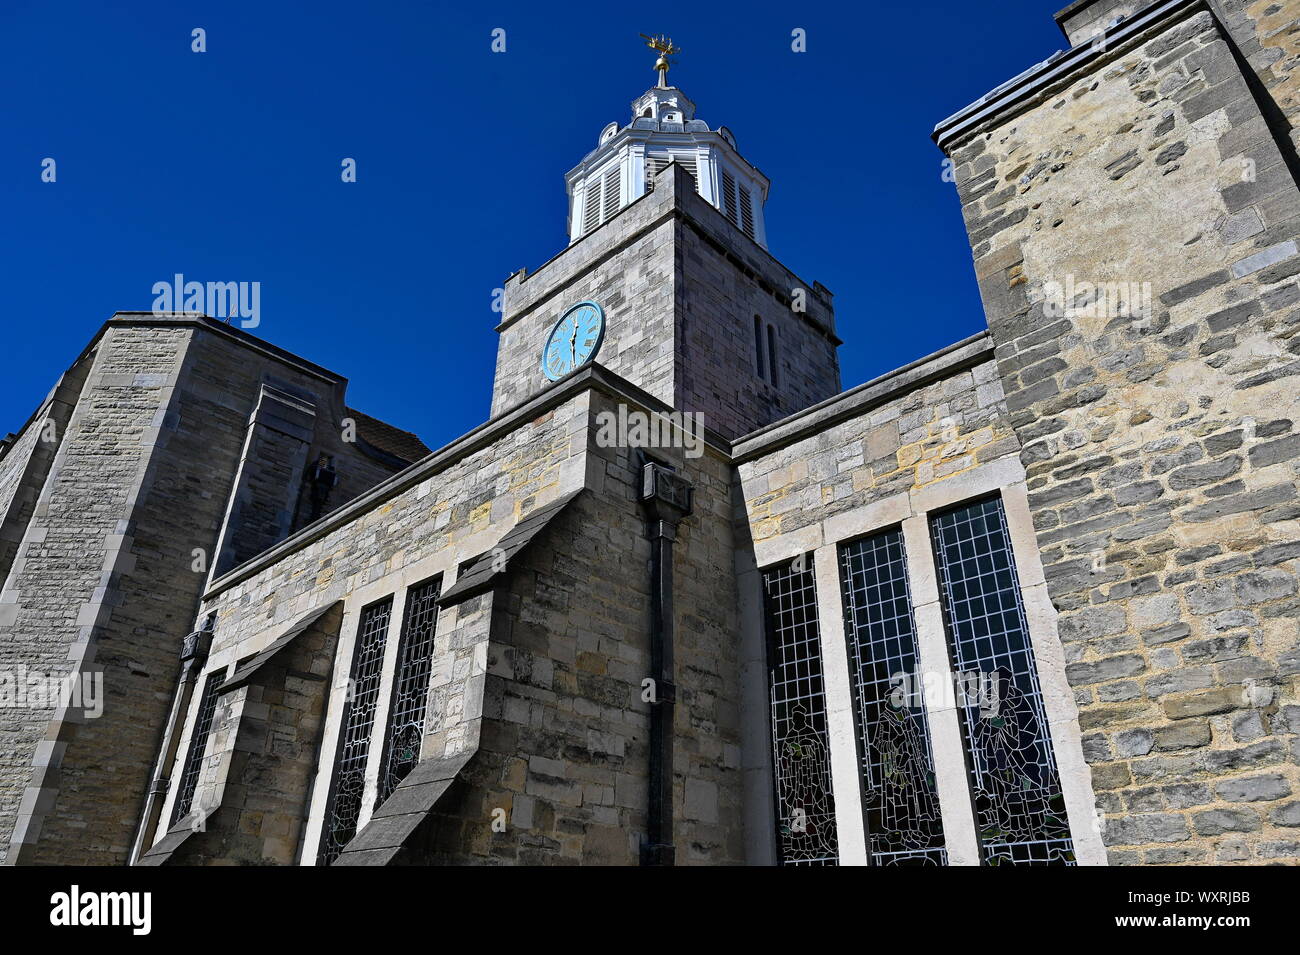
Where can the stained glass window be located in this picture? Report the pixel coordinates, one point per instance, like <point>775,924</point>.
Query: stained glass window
<point>1015,787</point>
<point>903,821</point>
<point>805,807</point>
<point>410,687</point>
<point>198,744</point>
<point>348,789</point>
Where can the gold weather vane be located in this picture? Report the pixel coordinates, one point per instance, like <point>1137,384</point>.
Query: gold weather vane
<point>665,48</point>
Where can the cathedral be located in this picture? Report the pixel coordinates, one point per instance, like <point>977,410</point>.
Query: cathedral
<point>682,599</point>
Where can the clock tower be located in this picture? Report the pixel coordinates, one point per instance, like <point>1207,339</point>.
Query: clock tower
<point>668,259</point>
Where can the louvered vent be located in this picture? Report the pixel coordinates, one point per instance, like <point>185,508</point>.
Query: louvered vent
<point>729,196</point>
<point>654,165</point>
<point>690,166</point>
<point>657,164</point>
<point>746,213</point>
<point>591,216</point>
<point>604,198</point>
<point>613,191</point>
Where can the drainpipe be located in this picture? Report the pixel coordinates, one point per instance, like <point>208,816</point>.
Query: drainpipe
<point>194,653</point>
<point>666,497</point>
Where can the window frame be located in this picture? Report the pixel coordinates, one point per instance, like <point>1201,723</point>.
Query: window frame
<point>395,690</point>
<point>1033,668</point>
<point>842,549</point>
<point>1004,476</point>
<point>325,836</point>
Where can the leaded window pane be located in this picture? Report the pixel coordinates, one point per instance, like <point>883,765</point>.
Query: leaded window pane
<point>903,821</point>
<point>344,811</point>
<point>1020,811</point>
<point>805,807</point>
<point>410,687</point>
<point>198,745</point>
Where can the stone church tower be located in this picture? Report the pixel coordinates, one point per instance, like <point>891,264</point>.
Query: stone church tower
<point>1029,600</point>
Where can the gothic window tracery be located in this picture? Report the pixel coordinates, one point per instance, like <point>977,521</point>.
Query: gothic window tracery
<point>904,824</point>
<point>198,745</point>
<point>1015,786</point>
<point>410,687</point>
<point>348,788</point>
<point>805,806</point>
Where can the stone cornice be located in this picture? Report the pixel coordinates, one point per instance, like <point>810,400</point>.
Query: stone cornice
<point>208,324</point>
<point>1017,94</point>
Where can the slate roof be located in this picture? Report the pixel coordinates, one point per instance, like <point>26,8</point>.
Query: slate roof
<point>249,667</point>
<point>394,441</point>
<point>394,822</point>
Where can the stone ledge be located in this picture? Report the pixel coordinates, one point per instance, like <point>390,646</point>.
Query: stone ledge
<point>1017,92</point>
<point>233,332</point>
<point>384,837</point>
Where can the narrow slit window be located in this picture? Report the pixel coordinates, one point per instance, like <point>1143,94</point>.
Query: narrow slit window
<point>198,745</point>
<point>901,802</point>
<point>348,787</point>
<point>410,687</point>
<point>1016,790</point>
<point>805,805</point>
<point>771,354</point>
<point>758,346</point>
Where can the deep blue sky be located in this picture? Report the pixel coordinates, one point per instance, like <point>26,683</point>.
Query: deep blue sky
<point>225,166</point>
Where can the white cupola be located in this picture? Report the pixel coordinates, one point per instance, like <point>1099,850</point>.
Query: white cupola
<point>662,130</point>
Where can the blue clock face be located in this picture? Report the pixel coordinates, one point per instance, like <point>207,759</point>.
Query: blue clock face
<point>574,340</point>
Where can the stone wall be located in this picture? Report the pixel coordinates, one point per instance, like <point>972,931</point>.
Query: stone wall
<point>249,803</point>
<point>291,425</point>
<point>1265,35</point>
<point>927,434</point>
<point>13,470</point>
<point>1265,41</point>
<point>559,725</point>
<point>565,745</point>
<point>451,508</point>
<point>1084,20</point>
<point>628,266</point>
<point>724,281</point>
<point>26,463</point>
<point>57,603</point>
<point>1160,442</point>
<point>113,561</point>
